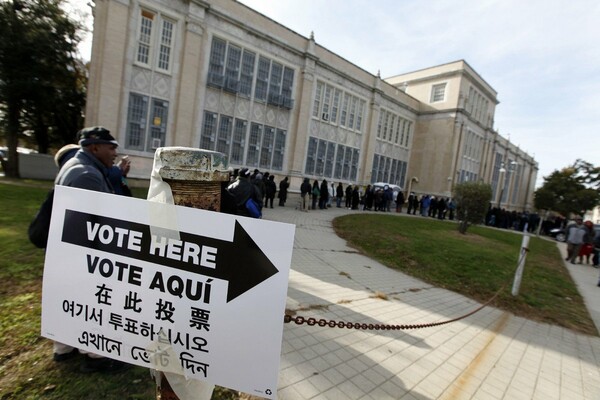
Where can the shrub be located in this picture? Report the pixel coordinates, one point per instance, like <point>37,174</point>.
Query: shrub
<point>472,202</point>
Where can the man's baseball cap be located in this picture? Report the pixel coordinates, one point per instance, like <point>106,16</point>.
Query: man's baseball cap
<point>96,134</point>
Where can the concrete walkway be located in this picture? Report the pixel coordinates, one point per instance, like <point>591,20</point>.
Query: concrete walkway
<point>489,355</point>
<point>586,278</point>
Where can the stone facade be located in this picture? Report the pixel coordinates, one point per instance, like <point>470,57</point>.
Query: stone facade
<point>455,139</point>
<point>217,75</point>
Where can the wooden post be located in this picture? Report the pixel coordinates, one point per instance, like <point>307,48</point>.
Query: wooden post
<point>196,178</point>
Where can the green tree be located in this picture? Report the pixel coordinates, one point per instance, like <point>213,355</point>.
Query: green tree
<point>572,190</point>
<point>40,76</point>
<point>588,173</point>
<point>472,203</point>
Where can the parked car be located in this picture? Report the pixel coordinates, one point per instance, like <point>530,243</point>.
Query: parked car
<point>558,233</point>
<point>24,150</point>
<point>561,235</point>
<point>382,185</point>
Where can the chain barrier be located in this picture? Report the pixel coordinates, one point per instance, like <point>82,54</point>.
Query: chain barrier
<point>299,320</point>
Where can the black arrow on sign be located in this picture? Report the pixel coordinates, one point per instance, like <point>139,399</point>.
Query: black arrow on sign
<point>241,262</point>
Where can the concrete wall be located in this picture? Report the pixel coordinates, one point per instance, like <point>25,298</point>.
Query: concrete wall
<point>37,166</point>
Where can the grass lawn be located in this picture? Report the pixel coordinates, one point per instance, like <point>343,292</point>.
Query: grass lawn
<point>477,264</point>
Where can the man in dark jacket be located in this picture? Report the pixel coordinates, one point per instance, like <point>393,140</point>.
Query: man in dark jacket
<point>305,190</point>
<point>388,196</point>
<point>324,196</point>
<point>88,169</point>
<point>283,188</point>
<point>270,190</point>
<point>339,195</point>
<point>242,190</point>
<point>348,196</point>
<point>399,201</point>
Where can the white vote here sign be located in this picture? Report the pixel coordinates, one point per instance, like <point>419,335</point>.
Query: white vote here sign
<point>173,288</point>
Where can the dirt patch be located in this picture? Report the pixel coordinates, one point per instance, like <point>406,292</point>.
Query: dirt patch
<point>380,295</point>
<point>468,237</point>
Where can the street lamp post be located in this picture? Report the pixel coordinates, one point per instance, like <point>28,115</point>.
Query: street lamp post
<point>501,182</point>
<point>512,169</point>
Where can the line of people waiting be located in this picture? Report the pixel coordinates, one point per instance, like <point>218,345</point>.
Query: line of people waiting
<point>321,196</point>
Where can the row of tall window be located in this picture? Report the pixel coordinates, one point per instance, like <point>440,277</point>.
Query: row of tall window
<point>472,145</point>
<point>331,160</point>
<point>477,105</point>
<point>237,70</point>
<point>472,152</point>
<point>263,146</point>
<point>337,107</point>
<point>389,170</point>
<point>466,176</point>
<point>393,128</point>
<point>146,122</point>
<point>155,41</point>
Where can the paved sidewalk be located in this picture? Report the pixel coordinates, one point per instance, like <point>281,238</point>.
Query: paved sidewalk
<point>489,355</point>
<point>586,278</point>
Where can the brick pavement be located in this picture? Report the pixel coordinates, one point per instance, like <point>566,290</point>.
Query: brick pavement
<point>489,355</point>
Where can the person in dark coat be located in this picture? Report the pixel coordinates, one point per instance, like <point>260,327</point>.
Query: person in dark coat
<point>388,197</point>
<point>411,202</point>
<point>339,195</point>
<point>324,196</point>
<point>433,201</point>
<point>88,169</point>
<point>441,208</point>
<point>378,200</point>
<point>283,188</point>
<point>348,196</point>
<point>399,201</point>
<point>416,205</point>
<point>368,198</point>
<point>355,198</point>
<point>305,194</point>
<point>241,190</point>
<point>270,189</point>
<point>316,193</point>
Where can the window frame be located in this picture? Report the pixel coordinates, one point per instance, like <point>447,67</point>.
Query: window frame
<point>147,121</point>
<point>158,41</point>
<point>208,135</point>
<point>435,92</point>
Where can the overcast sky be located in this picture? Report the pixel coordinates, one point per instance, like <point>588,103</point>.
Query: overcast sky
<point>541,56</point>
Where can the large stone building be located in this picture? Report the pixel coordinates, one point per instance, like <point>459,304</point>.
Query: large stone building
<point>215,74</point>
